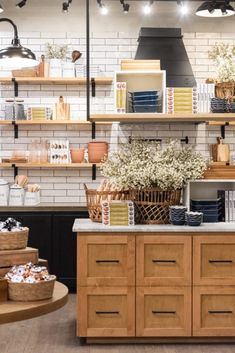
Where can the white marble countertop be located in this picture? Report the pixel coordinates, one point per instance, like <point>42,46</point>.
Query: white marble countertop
<point>86,226</point>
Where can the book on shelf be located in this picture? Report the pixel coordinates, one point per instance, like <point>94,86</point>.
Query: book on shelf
<point>228,205</point>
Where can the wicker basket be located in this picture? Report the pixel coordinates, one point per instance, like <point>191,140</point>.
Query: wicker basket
<point>27,292</point>
<point>152,205</point>
<point>95,197</point>
<point>14,240</point>
<point>225,90</point>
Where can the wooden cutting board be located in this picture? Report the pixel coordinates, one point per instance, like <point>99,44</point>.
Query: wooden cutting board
<point>61,110</point>
<point>140,65</point>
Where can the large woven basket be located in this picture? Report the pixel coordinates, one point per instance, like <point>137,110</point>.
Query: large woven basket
<point>225,90</point>
<point>152,205</point>
<point>94,199</point>
<point>14,240</point>
<point>27,292</point>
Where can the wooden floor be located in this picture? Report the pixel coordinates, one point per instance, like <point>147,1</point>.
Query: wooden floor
<point>55,333</point>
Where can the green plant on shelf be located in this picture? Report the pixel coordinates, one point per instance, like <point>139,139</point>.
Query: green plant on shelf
<point>145,164</point>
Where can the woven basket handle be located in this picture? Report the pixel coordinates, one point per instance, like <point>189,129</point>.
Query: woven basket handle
<point>85,187</point>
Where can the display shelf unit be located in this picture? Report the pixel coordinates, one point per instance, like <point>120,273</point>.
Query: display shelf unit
<point>55,80</point>
<point>164,118</point>
<point>206,189</point>
<point>145,80</point>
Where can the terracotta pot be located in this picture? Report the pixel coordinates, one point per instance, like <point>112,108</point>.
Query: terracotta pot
<point>77,155</point>
<point>97,151</point>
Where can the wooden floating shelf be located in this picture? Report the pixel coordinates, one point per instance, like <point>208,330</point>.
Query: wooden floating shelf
<point>163,118</point>
<point>48,165</point>
<point>52,122</point>
<point>56,80</point>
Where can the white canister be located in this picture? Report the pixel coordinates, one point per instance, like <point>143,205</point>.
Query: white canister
<point>68,69</point>
<point>55,68</point>
<point>16,197</point>
<point>32,198</point>
<point>4,192</point>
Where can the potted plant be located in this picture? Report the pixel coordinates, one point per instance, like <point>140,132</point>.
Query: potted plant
<point>56,54</point>
<point>154,175</point>
<point>223,56</point>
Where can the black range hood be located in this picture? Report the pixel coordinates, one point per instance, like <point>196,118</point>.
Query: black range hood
<point>166,44</point>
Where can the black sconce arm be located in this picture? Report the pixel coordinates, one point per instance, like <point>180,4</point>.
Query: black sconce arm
<point>16,40</point>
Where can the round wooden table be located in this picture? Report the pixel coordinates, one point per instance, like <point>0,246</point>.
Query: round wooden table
<point>11,311</point>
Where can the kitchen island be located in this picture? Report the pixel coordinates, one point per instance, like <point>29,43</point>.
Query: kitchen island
<point>155,282</point>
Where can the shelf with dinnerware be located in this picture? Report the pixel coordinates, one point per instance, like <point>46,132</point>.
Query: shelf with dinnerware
<point>102,80</point>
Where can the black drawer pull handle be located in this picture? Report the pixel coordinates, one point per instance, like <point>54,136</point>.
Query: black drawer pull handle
<point>220,311</point>
<point>163,312</point>
<point>107,261</point>
<point>164,261</point>
<point>221,261</point>
<point>107,312</point>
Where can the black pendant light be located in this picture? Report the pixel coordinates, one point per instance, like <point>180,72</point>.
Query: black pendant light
<point>15,56</point>
<point>215,8</point>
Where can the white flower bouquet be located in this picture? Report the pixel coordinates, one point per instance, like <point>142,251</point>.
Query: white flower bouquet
<point>144,164</point>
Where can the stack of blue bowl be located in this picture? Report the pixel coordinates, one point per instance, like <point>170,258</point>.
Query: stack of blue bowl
<point>194,219</point>
<point>212,209</point>
<point>177,215</point>
<point>218,105</point>
<point>145,102</point>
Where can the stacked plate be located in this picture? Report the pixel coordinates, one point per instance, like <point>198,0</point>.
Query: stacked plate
<point>211,209</point>
<point>194,219</point>
<point>145,102</point>
<point>177,215</point>
<point>218,105</point>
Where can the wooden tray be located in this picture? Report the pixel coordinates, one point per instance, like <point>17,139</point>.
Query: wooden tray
<point>9,258</point>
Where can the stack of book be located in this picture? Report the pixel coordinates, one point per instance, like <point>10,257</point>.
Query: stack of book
<point>181,100</point>
<point>228,204</point>
<point>205,93</point>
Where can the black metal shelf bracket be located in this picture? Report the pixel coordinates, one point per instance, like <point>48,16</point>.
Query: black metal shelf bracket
<point>223,130</point>
<point>93,171</point>
<point>93,87</point>
<point>93,130</point>
<point>16,129</point>
<point>130,139</point>
<point>15,170</point>
<point>16,87</point>
<point>185,140</point>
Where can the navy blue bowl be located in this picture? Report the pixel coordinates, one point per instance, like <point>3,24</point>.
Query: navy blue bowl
<point>194,224</point>
<point>146,109</point>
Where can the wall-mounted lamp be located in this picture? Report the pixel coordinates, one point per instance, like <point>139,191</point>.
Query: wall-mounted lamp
<point>16,56</point>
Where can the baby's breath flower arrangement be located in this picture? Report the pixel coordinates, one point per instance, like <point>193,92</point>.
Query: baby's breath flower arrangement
<point>55,51</point>
<point>223,56</point>
<point>144,164</point>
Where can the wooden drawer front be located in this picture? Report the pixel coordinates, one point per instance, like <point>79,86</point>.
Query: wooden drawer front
<point>106,312</point>
<point>214,260</point>
<point>106,260</point>
<point>163,260</point>
<point>163,311</point>
<point>214,311</point>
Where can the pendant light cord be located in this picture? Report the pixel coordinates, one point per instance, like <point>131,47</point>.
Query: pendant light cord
<point>16,40</point>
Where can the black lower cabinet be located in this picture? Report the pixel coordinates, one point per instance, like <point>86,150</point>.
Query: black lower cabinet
<point>51,233</point>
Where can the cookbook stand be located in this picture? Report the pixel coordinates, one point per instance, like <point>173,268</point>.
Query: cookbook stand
<point>11,311</point>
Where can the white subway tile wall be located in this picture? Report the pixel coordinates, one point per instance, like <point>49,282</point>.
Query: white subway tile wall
<point>107,49</point>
